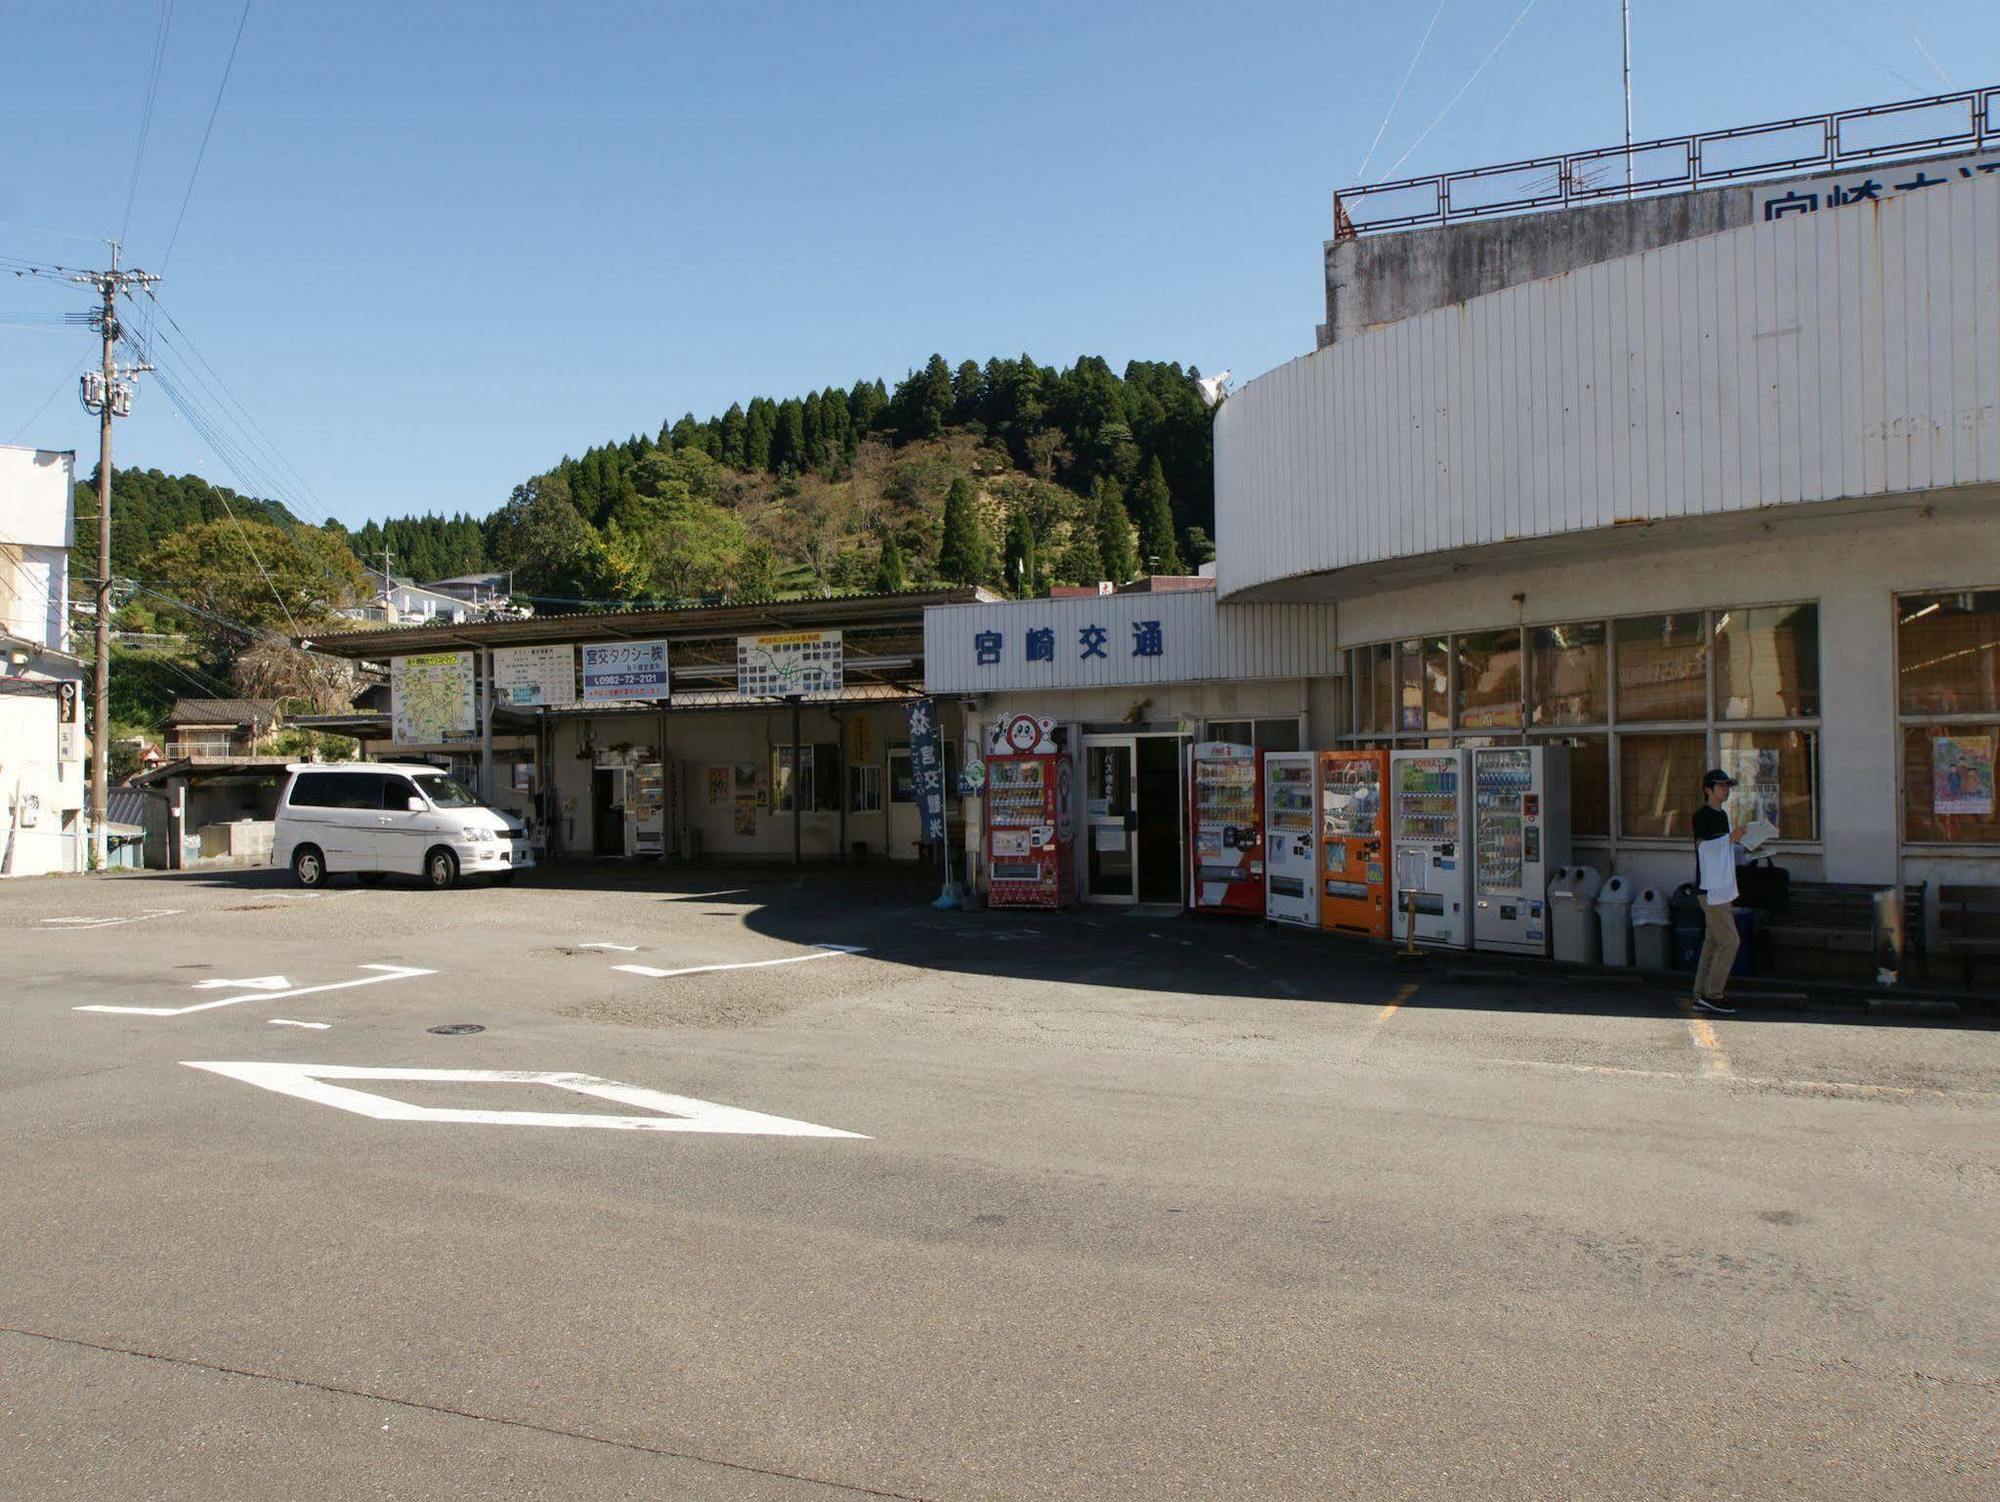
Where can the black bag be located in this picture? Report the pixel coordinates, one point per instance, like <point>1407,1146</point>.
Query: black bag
<point>1764,885</point>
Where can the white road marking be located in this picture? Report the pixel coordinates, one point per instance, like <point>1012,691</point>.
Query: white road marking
<point>621,948</point>
<point>675,1113</point>
<point>258,983</point>
<point>820,952</point>
<point>76,925</point>
<point>388,972</point>
<point>1853,1087</point>
<point>287,1022</point>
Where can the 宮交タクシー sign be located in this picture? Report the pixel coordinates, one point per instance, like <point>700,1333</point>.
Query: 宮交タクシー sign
<point>535,677</point>
<point>614,670</point>
<point>789,663</point>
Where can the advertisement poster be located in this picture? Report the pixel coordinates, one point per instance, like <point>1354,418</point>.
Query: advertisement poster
<point>927,767</point>
<point>753,781</point>
<point>1962,774</point>
<point>789,663</point>
<point>615,670</point>
<point>746,815</point>
<point>535,677</point>
<point>719,788</point>
<point>1756,794</point>
<point>430,698</point>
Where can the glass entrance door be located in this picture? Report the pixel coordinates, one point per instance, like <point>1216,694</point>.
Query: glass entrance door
<point>1111,832</point>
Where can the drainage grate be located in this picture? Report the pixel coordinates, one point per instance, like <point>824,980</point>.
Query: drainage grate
<point>453,1028</point>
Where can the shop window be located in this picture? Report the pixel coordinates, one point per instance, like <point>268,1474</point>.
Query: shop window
<point>1662,668</point>
<point>1948,784</point>
<point>864,789</point>
<point>1659,784</point>
<point>819,777</point>
<point>1374,671</point>
<point>1489,680</point>
<point>1777,779</point>
<point>1948,653</point>
<point>1766,663</point>
<point>1423,685</point>
<point>1279,733</point>
<point>1566,675</point>
<point>1589,784</point>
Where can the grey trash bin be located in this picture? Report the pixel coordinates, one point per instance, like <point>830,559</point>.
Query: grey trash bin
<point>1572,909</point>
<point>1652,930</point>
<point>1614,921</point>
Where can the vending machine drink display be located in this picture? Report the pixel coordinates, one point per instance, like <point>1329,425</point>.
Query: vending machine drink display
<point>1429,831</point>
<point>1226,813</point>
<point>1030,816</point>
<point>1520,835</point>
<point>1354,886</point>
<point>1291,821</point>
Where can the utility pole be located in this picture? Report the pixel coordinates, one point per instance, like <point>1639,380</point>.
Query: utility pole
<point>108,394</point>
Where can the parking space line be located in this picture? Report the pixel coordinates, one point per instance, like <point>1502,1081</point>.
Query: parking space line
<point>1714,1062</point>
<point>1396,1002</point>
<point>820,952</point>
<point>287,1022</point>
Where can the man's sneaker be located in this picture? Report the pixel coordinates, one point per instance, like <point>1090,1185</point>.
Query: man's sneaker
<point>1708,1004</point>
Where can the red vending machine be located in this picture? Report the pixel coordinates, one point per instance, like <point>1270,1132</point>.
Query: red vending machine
<point>1030,816</point>
<point>1226,813</point>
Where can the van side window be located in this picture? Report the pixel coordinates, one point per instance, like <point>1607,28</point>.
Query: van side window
<point>315,790</point>
<point>358,790</point>
<point>397,793</point>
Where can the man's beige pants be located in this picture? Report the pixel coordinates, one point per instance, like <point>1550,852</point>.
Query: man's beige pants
<point>1718,950</point>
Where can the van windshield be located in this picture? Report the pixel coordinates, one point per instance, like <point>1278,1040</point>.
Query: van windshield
<point>446,792</point>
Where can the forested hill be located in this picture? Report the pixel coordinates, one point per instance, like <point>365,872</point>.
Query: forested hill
<point>1010,473</point>
<point>148,507</point>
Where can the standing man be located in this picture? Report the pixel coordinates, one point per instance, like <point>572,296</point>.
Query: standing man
<point>1715,880</point>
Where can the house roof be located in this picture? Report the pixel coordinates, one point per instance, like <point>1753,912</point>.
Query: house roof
<point>223,712</point>
<point>125,808</point>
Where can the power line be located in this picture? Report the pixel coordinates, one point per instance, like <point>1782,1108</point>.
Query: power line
<point>146,115</point>
<point>1453,102</point>
<point>1361,172</point>
<point>213,110</point>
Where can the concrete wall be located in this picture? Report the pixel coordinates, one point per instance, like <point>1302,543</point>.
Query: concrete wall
<point>34,785</point>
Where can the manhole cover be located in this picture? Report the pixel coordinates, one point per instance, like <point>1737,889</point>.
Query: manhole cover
<point>450,1028</point>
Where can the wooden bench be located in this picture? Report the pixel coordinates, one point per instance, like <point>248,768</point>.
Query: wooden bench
<point>1827,931</point>
<point>1961,928</point>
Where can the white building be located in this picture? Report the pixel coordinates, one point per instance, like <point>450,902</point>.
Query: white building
<point>42,691</point>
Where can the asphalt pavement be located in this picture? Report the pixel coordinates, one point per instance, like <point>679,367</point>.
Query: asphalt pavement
<point>724,1184</point>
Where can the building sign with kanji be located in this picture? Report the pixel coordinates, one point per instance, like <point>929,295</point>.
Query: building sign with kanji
<point>616,670</point>
<point>927,772</point>
<point>1875,183</point>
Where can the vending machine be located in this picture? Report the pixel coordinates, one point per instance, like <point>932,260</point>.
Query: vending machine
<point>1291,817</point>
<point>1520,834</point>
<point>1354,886</point>
<point>1226,813</point>
<point>1030,816</point>
<point>1429,827</point>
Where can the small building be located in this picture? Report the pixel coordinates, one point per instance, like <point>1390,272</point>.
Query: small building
<point>201,730</point>
<point>404,602</point>
<point>489,591</point>
<point>216,808</point>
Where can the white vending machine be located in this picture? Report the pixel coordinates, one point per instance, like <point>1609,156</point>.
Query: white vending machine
<point>1291,822</point>
<point>1520,833</point>
<point>1428,843</point>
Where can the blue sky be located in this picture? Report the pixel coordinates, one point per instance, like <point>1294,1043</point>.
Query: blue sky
<point>433,247</point>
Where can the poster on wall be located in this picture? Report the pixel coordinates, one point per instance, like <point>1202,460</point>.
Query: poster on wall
<point>746,816</point>
<point>430,699</point>
<point>535,677</point>
<point>1756,794</point>
<point>1962,774</point>
<point>619,670</point>
<point>719,790</point>
<point>789,663</point>
<point>753,781</point>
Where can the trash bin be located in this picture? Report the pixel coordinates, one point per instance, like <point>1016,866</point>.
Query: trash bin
<point>1572,899</point>
<point>1652,931</point>
<point>1689,926</point>
<point>1614,921</point>
<point>1749,923</point>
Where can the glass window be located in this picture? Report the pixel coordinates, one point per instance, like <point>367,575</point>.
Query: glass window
<point>445,792</point>
<point>1777,779</point>
<point>1589,784</point>
<point>1489,680</point>
<point>902,781</point>
<point>1767,663</point>
<point>1277,734</point>
<point>864,789</point>
<point>825,769</point>
<point>312,790</point>
<point>1948,778</point>
<point>1233,732</point>
<point>1375,677</point>
<point>1662,668</point>
<point>1567,675</point>
<point>1948,652</point>
<point>1659,784</point>
<point>1423,685</point>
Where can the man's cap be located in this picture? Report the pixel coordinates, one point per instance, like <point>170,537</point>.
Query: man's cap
<point>1717,778</point>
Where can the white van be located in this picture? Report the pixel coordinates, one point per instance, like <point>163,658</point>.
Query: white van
<point>379,818</point>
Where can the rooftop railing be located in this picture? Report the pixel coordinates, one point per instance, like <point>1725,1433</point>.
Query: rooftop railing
<point>1968,119</point>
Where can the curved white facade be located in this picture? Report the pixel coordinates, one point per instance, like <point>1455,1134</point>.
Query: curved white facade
<point>1839,356</point>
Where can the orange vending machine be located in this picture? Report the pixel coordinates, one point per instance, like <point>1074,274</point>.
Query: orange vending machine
<point>1354,886</point>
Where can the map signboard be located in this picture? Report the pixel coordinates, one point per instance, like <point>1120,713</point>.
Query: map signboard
<point>431,698</point>
<point>786,663</point>
<point>532,677</point>
<point>614,670</point>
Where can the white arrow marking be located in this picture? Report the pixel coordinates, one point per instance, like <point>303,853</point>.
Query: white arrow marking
<point>77,925</point>
<point>621,948</point>
<point>259,983</point>
<point>674,1113</point>
<point>820,952</point>
<point>287,1022</point>
<point>389,972</point>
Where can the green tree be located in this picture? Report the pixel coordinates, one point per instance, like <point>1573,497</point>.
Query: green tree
<point>1022,573</point>
<point>962,556</point>
<point>1080,562</point>
<point>889,572</point>
<point>1115,548</point>
<point>239,582</point>
<point>923,402</point>
<point>1157,549</point>
<point>757,571</point>
<point>1196,547</point>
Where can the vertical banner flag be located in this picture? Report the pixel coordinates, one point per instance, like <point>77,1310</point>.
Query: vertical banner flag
<point>927,769</point>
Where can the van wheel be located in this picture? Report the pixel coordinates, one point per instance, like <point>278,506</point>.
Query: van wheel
<point>441,869</point>
<point>309,866</point>
<point>369,878</point>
